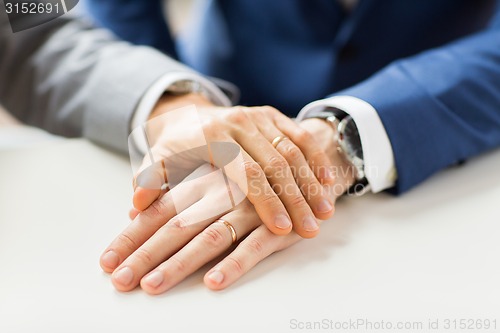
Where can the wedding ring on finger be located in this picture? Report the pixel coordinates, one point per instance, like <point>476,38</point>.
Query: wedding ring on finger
<point>276,141</point>
<point>231,229</point>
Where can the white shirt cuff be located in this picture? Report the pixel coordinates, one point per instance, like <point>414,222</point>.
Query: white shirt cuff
<point>153,94</point>
<point>380,167</point>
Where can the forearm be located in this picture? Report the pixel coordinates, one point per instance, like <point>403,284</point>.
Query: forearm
<point>445,109</point>
<point>72,79</point>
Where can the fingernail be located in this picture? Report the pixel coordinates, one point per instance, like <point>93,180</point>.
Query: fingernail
<point>124,276</point>
<point>282,221</point>
<point>324,206</point>
<point>154,279</point>
<point>216,276</point>
<point>110,259</point>
<point>310,224</point>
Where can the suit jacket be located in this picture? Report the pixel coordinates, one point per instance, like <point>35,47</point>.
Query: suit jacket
<point>73,80</point>
<point>431,68</point>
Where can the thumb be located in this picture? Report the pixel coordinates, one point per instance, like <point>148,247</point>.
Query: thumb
<point>149,185</point>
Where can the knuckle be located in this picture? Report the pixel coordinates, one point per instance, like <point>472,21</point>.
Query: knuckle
<point>238,116</point>
<point>212,237</point>
<point>259,114</point>
<point>235,265</point>
<point>252,170</point>
<point>177,223</point>
<point>269,110</point>
<point>268,200</point>
<point>179,264</point>
<point>255,246</point>
<point>277,163</point>
<point>304,136</point>
<point>144,256</point>
<point>292,153</point>
<point>251,111</point>
<point>213,127</point>
<point>156,209</point>
<point>311,187</point>
<point>298,201</point>
<point>127,241</point>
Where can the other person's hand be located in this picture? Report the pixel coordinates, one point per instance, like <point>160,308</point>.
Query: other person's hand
<point>160,247</point>
<point>285,180</point>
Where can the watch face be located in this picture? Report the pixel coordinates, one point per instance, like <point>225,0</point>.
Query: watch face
<point>351,140</point>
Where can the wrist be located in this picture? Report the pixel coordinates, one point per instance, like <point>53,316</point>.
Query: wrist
<point>169,102</point>
<point>325,136</point>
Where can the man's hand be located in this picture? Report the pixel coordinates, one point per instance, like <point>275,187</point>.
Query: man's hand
<point>160,248</point>
<point>323,133</point>
<point>286,182</point>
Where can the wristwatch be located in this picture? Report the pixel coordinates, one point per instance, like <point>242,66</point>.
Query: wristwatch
<point>349,145</point>
<point>183,87</point>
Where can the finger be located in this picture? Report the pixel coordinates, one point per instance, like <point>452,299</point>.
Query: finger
<point>206,246</point>
<point>133,213</point>
<point>148,184</point>
<point>255,248</point>
<point>153,181</point>
<point>252,183</point>
<point>172,236</point>
<point>249,177</point>
<point>318,160</point>
<point>147,223</point>
<point>144,197</point>
<point>319,201</point>
<point>268,205</point>
<point>278,174</point>
<point>141,229</point>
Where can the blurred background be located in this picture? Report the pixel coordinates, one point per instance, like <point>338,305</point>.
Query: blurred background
<point>5,118</point>
<point>179,13</point>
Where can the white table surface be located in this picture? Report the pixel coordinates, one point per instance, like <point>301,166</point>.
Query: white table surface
<point>432,254</point>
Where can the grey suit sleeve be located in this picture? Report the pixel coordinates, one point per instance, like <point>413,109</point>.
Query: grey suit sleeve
<point>75,80</point>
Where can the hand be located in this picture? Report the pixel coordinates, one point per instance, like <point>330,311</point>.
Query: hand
<point>285,184</point>
<point>160,249</point>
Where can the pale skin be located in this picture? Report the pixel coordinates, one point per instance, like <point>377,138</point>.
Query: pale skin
<point>161,247</point>
<point>254,129</point>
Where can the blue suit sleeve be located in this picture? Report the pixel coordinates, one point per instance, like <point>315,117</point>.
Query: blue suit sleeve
<point>139,22</point>
<point>441,107</point>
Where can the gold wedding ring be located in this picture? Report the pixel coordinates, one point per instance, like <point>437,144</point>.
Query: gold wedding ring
<point>277,140</point>
<point>164,169</point>
<point>231,229</point>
